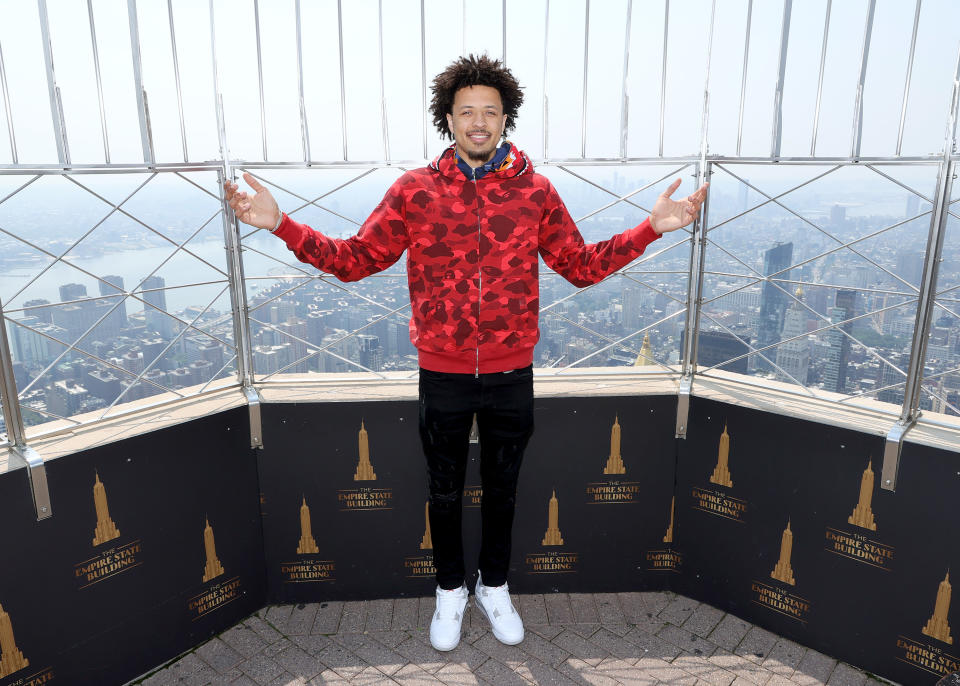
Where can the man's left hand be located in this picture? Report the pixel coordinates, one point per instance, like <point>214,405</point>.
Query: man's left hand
<point>670,215</point>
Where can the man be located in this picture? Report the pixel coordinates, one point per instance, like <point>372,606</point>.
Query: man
<point>473,223</point>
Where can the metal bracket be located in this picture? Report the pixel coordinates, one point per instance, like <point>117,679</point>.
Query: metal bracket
<point>683,405</point>
<point>37,476</point>
<point>891,453</point>
<point>256,426</point>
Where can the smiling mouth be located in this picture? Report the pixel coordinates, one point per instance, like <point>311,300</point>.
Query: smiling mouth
<point>478,137</point>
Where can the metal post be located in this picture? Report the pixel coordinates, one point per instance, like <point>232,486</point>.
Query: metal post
<point>304,129</point>
<point>858,102</point>
<point>743,77</point>
<point>96,69</point>
<point>383,95</point>
<point>423,73</point>
<point>778,93</point>
<point>546,102</point>
<point>697,252</point>
<point>6,105</point>
<point>231,238</point>
<point>146,139</point>
<point>583,104</point>
<point>343,86</point>
<point>663,73</point>
<point>16,434</point>
<point>263,116</point>
<point>625,98</point>
<point>906,82</point>
<point>823,64</point>
<point>238,304</point>
<point>56,109</point>
<point>927,300</point>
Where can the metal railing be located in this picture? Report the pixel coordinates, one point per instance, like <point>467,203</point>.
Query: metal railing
<point>260,285</point>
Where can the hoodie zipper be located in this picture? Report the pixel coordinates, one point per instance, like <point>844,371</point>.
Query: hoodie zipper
<point>476,374</point>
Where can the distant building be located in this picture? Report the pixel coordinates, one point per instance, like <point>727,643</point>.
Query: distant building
<point>155,307</point>
<point>793,355</point>
<point>716,347</point>
<point>838,354</point>
<point>773,300</point>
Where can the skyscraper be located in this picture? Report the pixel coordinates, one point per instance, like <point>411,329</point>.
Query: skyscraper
<point>835,370</point>
<point>793,356</point>
<point>773,300</point>
<point>156,305</point>
<point>112,285</point>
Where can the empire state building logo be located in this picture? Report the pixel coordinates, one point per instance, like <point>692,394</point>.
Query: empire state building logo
<point>937,626</point>
<point>615,461</point>
<point>862,514</point>
<point>721,473</point>
<point>106,530</point>
<point>552,536</point>
<point>213,568</point>
<point>307,545</point>
<point>11,659</point>
<point>783,571</point>
<point>364,468</point>
<point>426,543</point>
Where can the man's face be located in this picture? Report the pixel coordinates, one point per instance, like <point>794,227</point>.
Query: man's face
<point>477,122</point>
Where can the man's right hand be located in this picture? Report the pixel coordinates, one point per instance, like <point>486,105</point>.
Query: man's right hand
<point>260,211</point>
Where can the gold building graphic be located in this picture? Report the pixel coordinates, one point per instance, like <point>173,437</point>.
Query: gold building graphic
<point>645,357</point>
<point>615,462</point>
<point>783,571</point>
<point>862,514</point>
<point>553,537</point>
<point>364,468</point>
<point>308,546</point>
<point>106,530</point>
<point>213,567</point>
<point>11,659</point>
<point>721,473</point>
<point>668,537</point>
<point>426,543</point>
<point>937,626</point>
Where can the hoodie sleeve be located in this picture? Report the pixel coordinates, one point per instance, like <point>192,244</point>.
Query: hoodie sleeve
<point>379,243</point>
<point>564,251</point>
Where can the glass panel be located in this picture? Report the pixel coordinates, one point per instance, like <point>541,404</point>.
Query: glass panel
<point>635,317</point>
<point>818,288</point>
<point>940,393</point>
<point>106,306</point>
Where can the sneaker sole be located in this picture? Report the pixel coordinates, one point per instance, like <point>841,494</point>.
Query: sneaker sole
<point>504,641</point>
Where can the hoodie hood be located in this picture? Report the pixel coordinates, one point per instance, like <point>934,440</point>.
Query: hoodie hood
<point>515,164</point>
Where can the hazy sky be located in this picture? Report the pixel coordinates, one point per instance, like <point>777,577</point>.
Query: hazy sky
<point>453,28</point>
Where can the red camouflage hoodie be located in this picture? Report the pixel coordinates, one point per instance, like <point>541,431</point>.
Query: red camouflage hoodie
<point>472,249</point>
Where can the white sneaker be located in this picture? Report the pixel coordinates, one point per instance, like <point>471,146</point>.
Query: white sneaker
<point>494,602</point>
<point>448,618</point>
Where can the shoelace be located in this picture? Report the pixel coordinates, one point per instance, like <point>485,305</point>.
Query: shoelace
<point>499,598</point>
<point>448,604</point>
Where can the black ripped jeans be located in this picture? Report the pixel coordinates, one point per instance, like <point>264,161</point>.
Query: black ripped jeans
<point>503,403</point>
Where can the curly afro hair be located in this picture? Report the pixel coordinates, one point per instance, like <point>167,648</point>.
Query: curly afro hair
<point>474,71</point>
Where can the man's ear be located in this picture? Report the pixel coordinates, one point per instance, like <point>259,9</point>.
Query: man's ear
<point>450,124</point>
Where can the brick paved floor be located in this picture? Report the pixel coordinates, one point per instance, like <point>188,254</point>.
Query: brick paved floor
<point>599,639</point>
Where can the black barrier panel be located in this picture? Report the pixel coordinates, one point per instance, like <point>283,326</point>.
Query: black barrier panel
<point>920,641</point>
<point>343,492</point>
<point>344,496</point>
<point>155,545</point>
<point>594,501</point>
<point>783,523</point>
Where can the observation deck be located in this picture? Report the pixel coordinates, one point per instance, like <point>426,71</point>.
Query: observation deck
<point>755,422</point>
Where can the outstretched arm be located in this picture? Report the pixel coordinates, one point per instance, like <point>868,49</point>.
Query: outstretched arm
<point>564,251</point>
<point>379,243</point>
